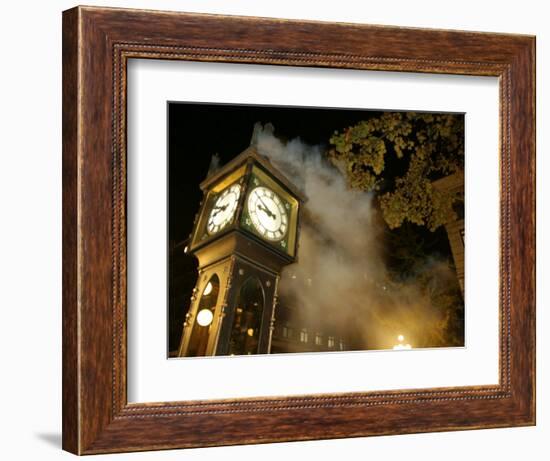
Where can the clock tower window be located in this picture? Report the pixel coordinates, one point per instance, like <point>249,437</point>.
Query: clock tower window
<point>245,333</point>
<point>203,319</point>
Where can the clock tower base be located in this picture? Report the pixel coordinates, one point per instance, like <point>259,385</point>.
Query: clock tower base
<point>241,297</point>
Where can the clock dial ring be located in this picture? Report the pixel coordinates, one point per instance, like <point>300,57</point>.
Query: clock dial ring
<point>267,213</point>
<point>224,209</point>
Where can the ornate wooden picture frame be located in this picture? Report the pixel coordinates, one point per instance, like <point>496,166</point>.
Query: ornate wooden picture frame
<point>97,44</point>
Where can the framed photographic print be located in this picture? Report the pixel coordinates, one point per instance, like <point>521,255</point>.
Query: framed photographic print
<point>280,230</point>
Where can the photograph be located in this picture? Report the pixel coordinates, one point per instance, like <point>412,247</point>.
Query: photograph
<point>313,230</point>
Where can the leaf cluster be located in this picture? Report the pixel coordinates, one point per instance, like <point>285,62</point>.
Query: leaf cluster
<point>398,155</point>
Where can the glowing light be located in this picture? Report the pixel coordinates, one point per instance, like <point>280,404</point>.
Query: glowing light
<point>186,249</point>
<point>204,317</point>
<point>250,332</point>
<point>208,289</point>
<point>401,346</point>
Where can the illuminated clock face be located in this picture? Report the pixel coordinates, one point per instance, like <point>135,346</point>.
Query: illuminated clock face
<point>223,210</point>
<point>267,213</point>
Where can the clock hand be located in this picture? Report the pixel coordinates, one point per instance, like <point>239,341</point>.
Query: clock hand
<point>266,209</point>
<point>218,209</point>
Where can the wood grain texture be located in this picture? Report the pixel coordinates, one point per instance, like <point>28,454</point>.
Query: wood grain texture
<point>97,42</point>
<point>70,384</point>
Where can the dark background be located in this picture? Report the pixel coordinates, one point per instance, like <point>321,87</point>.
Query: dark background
<point>195,133</point>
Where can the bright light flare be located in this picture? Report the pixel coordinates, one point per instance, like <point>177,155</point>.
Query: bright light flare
<point>401,346</point>
<point>204,317</point>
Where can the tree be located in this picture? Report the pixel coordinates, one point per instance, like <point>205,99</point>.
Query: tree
<point>413,256</point>
<point>398,155</point>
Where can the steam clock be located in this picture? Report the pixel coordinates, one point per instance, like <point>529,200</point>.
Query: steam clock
<point>244,234</point>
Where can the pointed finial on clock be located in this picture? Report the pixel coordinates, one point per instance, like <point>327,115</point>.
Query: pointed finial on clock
<point>214,164</point>
<point>259,129</point>
<point>255,133</point>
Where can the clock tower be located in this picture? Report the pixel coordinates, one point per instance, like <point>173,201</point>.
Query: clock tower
<point>244,234</point>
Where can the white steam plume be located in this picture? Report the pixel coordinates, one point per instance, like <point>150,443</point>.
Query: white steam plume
<point>340,282</point>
